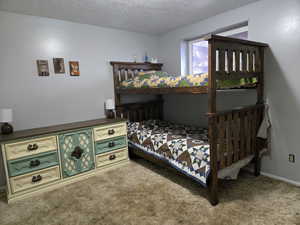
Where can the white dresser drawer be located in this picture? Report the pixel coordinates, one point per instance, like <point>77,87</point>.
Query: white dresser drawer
<point>105,132</point>
<point>30,147</point>
<point>37,178</point>
<point>111,157</point>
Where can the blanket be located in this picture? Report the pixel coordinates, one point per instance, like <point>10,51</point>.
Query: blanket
<point>185,148</point>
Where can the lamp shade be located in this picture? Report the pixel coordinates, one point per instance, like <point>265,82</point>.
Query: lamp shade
<point>109,104</point>
<point>6,115</point>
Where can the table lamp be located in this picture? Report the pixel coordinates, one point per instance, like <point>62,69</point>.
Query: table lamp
<point>6,118</point>
<point>109,108</point>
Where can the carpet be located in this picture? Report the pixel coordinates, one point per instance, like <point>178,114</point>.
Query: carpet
<point>141,193</point>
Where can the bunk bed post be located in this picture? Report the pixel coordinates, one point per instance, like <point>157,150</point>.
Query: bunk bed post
<point>116,84</point>
<point>260,86</point>
<point>213,180</point>
<point>260,100</point>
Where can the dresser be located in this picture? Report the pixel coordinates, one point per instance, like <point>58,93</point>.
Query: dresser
<point>41,159</point>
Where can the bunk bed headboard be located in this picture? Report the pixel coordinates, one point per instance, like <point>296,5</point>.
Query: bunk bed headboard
<point>236,58</point>
<point>136,112</point>
<point>233,59</point>
<point>126,70</point>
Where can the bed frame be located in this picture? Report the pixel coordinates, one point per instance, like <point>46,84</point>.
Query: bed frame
<point>232,133</point>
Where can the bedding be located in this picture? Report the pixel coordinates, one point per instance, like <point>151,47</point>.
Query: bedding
<point>161,79</point>
<point>185,148</point>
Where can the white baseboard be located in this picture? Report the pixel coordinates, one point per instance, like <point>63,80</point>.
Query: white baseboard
<point>296,183</point>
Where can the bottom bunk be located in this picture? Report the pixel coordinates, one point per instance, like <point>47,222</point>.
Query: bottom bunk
<point>185,148</point>
<point>205,155</point>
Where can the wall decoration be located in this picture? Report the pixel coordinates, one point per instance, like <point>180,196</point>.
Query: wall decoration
<point>59,65</point>
<point>74,68</point>
<point>43,67</point>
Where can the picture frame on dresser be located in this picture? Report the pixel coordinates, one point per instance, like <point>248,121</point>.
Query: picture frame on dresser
<point>42,159</point>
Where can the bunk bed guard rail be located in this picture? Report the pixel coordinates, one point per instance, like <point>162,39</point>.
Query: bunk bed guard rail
<point>233,134</point>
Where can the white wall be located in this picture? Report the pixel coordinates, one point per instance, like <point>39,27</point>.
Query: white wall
<point>192,109</point>
<point>42,101</point>
<point>277,23</point>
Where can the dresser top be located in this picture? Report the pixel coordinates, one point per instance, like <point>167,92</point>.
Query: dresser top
<point>57,128</point>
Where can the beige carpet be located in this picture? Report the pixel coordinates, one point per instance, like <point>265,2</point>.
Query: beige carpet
<point>140,193</point>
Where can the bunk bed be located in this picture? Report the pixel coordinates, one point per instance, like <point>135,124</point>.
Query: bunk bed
<point>231,135</point>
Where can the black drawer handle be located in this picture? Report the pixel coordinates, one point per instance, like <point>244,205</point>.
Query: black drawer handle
<point>111,132</point>
<point>35,163</point>
<point>32,147</point>
<point>77,153</point>
<point>36,178</point>
<point>111,144</point>
<point>112,157</point>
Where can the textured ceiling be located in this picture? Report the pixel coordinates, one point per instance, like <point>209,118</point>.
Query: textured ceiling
<point>147,16</point>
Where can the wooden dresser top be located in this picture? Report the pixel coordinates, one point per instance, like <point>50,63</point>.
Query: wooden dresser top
<point>57,128</point>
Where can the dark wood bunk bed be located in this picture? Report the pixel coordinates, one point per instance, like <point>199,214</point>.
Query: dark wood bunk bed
<point>231,133</point>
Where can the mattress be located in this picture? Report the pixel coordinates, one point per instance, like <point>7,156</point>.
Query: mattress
<point>185,148</point>
<point>160,79</point>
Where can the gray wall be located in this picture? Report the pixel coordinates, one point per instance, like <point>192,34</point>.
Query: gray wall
<point>192,109</point>
<point>277,23</point>
<point>41,101</point>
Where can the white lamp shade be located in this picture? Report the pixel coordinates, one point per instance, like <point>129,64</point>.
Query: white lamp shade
<point>109,104</point>
<point>6,115</point>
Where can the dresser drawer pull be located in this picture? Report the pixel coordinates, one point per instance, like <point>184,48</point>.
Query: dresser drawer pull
<point>112,157</point>
<point>77,153</point>
<point>35,163</point>
<point>32,147</point>
<point>36,178</point>
<point>111,144</point>
<point>111,132</point>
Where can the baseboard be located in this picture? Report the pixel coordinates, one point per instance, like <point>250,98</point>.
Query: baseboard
<point>296,183</point>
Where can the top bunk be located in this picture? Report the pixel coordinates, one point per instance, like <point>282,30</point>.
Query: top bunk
<point>232,64</point>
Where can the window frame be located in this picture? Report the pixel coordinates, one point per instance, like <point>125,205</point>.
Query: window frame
<point>190,47</point>
<point>226,33</point>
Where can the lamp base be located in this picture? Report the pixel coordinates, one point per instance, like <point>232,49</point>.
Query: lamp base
<point>6,128</point>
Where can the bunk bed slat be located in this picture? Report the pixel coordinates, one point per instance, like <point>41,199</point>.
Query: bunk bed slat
<point>244,61</point>
<point>221,61</point>
<point>257,61</point>
<point>230,59</point>
<point>123,76</point>
<point>236,138</point>
<point>222,146</point>
<point>250,69</point>
<point>229,139</point>
<point>248,134</point>
<point>237,61</point>
<point>254,130</point>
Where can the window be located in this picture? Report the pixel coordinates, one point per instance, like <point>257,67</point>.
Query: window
<point>198,50</point>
